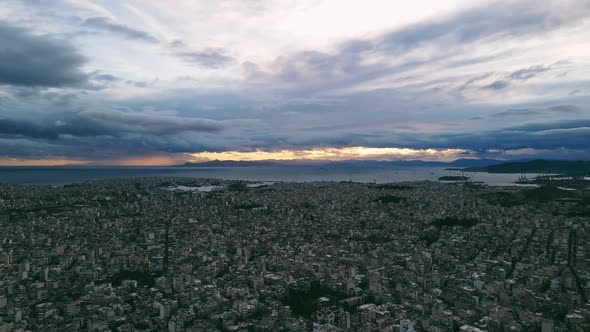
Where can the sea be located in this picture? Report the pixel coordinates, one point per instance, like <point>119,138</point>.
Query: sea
<point>57,176</point>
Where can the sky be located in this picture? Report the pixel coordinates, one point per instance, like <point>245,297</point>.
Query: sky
<point>158,82</point>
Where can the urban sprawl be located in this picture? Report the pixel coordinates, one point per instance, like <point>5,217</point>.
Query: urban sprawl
<point>177,254</point>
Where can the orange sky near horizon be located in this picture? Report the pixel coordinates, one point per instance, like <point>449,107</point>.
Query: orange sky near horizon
<point>40,162</point>
<point>334,154</point>
<point>318,154</point>
<point>136,161</point>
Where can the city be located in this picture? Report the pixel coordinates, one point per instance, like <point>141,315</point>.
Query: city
<point>179,254</point>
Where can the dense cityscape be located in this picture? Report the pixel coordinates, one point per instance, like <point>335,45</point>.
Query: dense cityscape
<point>294,165</point>
<point>179,254</point>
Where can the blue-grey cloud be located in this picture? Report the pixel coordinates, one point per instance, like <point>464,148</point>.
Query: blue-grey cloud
<point>546,135</point>
<point>497,85</point>
<point>516,112</point>
<point>156,124</point>
<point>107,134</point>
<point>19,128</point>
<point>523,74</point>
<point>51,130</point>
<point>137,84</point>
<point>32,60</point>
<point>486,22</point>
<point>115,123</point>
<point>105,24</point>
<point>565,109</point>
<point>210,58</point>
<point>527,73</point>
<point>106,78</point>
<point>87,141</point>
<point>558,109</point>
<point>548,126</point>
<point>206,58</point>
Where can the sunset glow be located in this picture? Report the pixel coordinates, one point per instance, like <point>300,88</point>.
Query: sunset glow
<point>318,154</point>
<point>334,154</point>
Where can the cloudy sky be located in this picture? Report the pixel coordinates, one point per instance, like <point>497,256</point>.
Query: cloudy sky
<point>148,82</point>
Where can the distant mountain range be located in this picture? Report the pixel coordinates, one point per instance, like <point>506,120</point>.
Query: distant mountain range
<point>536,166</point>
<point>230,163</point>
<point>468,165</point>
<point>350,163</point>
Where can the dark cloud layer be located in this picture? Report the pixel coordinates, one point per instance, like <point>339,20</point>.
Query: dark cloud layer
<point>156,124</point>
<point>120,133</point>
<point>31,60</point>
<point>107,122</point>
<point>104,134</point>
<point>105,24</point>
<point>51,130</point>
<point>19,128</point>
<point>539,136</point>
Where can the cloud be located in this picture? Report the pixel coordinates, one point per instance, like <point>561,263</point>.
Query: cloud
<point>105,24</point>
<point>518,75</point>
<point>91,7</point>
<point>558,109</point>
<point>438,42</point>
<point>548,126</point>
<point>565,109</point>
<point>113,123</point>
<point>505,80</point>
<point>496,85</point>
<point>154,123</point>
<point>108,134</point>
<point>491,21</point>
<point>17,128</point>
<point>32,60</point>
<point>51,130</point>
<point>212,58</point>
<point>527,73</point>
<point>117,133</point>
<point>106,78</point>
<point>544,135</point>
<point>516,112</point>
